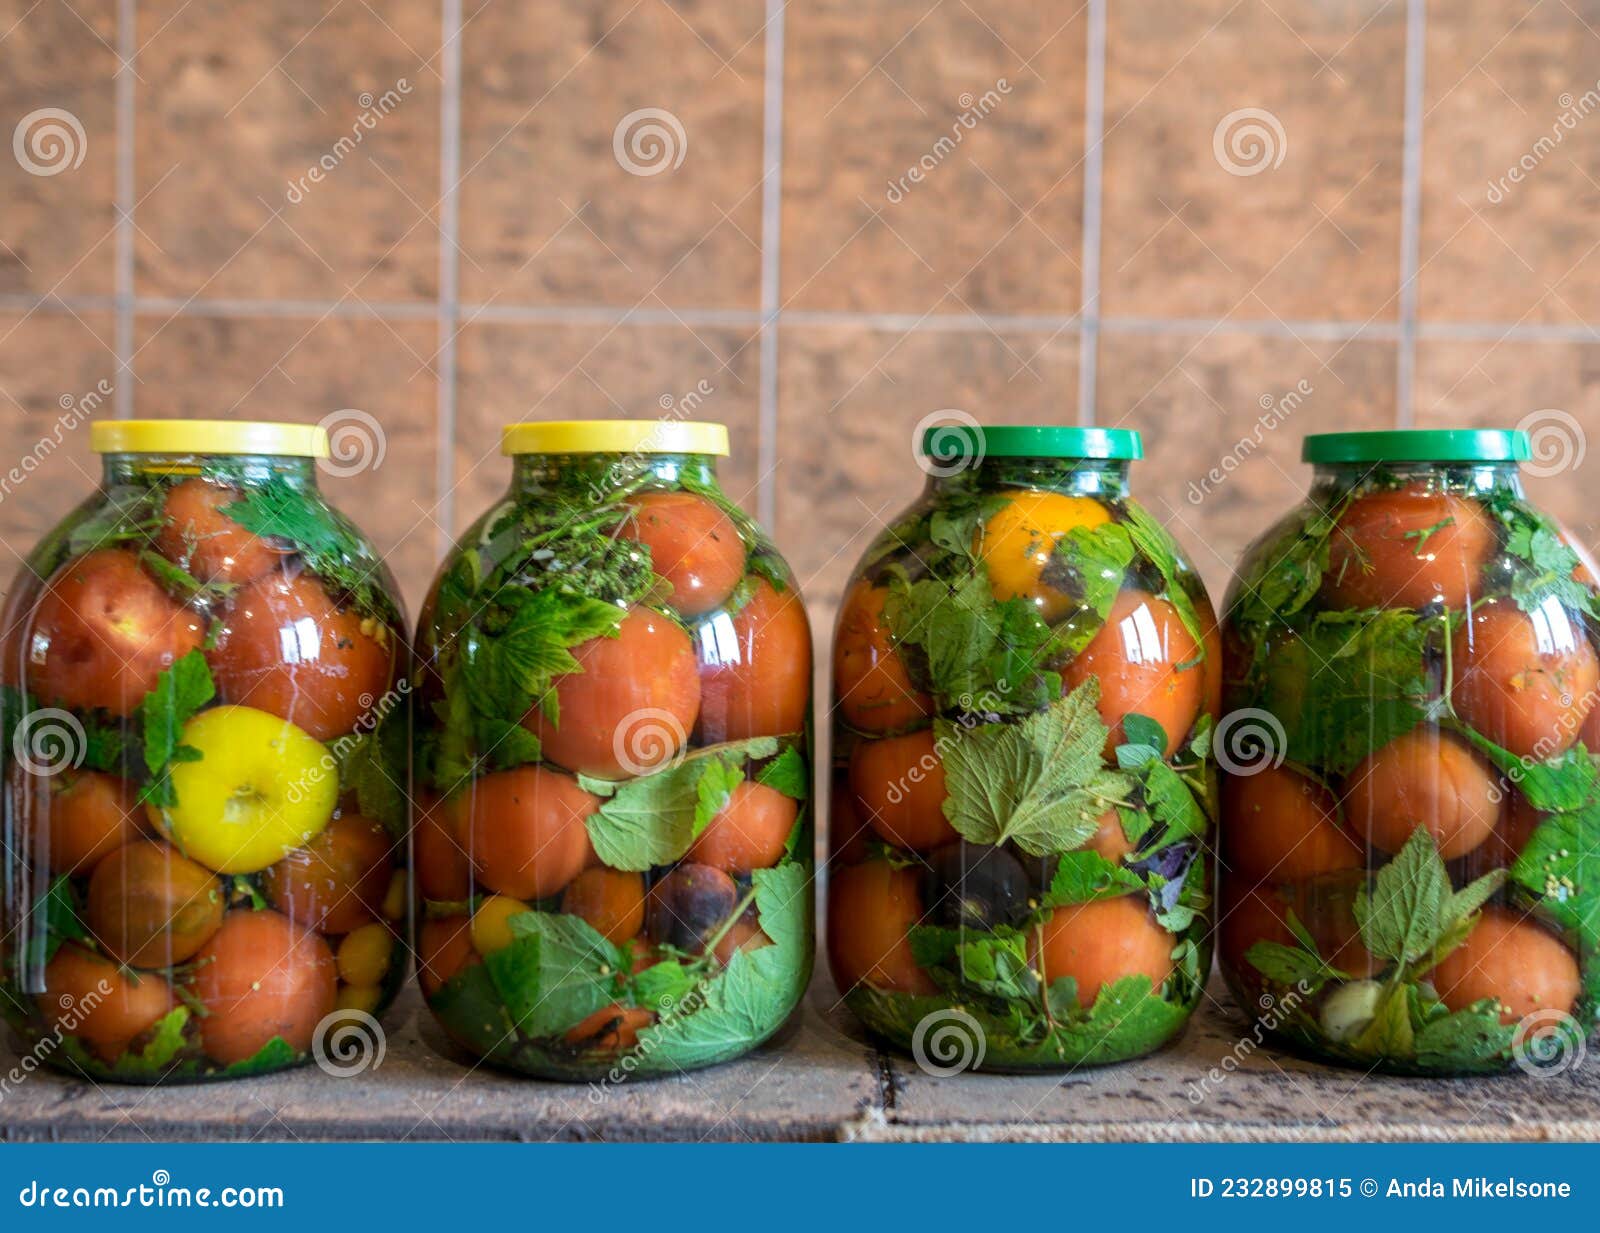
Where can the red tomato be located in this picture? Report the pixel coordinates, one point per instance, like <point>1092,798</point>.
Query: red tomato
<point>871,909</point>
<point>1138,656</point>
<point>262,976</point>
<point>1426,779</point>
<point>1407,547</point>
<point>1100,942</point>
<point>103,1005</point>
<point>611,900</point>
<point>89,815</point>
<point>1525,680</point>
<point>1109,839</point>
<point>1515,962</point>
<point>847,833</point>
<point>755,675</point>
<point>525,831</point>
<point>750,832</point>
<point>611,1027</point>
<point>693,545</point>
<point>196,535</point>
<point>103,632</point>
<point>337,881</point>
<point>1245,917</point>
<point>1281,826</point>
<point>631,705</point>
<point>899,788</point>
<point>442,870</point>
<point>871,686</point>
<point>444,950</point>
<point>741,935</point>
<point>150,907</point>
<point>286,648</point>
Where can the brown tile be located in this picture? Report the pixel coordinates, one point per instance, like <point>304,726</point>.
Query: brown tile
<point>56,234</point>
<point>562,372</point>
<point>1223,417</point>
<point>549,214</point>
<point>238,105</point>
<point>311,371</point>
<point>1316,235</point>
<point>1552,389</point>
<point>57,374</point>
<point>849,402</point>
<point>984,101</point>
<point>1511,90</point>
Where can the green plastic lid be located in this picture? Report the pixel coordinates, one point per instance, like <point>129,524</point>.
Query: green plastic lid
<point>949,442</point>
<point>1420,445</point>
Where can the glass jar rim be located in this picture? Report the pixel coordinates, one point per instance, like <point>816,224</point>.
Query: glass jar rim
<point>1419,445</point>
<point>948,442</point>
<point>258,437</point>
<point>615,437</point>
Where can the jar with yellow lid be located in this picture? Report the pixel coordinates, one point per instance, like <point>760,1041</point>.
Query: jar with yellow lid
<point>204,685</point>
<point>613,753</point>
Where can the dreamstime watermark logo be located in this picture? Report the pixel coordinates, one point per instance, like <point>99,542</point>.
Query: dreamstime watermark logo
<point>374,108</point>
<point>649,141</point>
<point>1273,1010</point>
<point>973,110</point>
<point>948,1041</point>
<point>347,1043</point>
<point>1572,111</point>
<point>947,442</point>
<point>676,408</point>
<point>75,409</point>
<point>649,740</point>
<point>48,741</point>
<point>1558,440</point>
<point>1249,141</point>
<point>49,141</point>
<point>1274,412</point>
<point>356,443</point>
<point>1548,1043</point>
<point>1249,741</point>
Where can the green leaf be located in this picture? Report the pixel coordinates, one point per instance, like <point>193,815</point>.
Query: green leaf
<point>1086,875</point>
<point>166,1042</point>
<point>557,972</point>
<point>1144,740</point>
<point>372,765</point>
<point>1391,1033</point>
<point>1402,915</point>
<point>1291,965</point>
<point>1089,564</point>
<point>505,673</point>
<point>754,994</point>
<point>653,819</point>
<point>1157,547</point>
<point>470,1009</point>
<point>1039,783</point>
<point>276,1054</point>
<point>1559,869</point>
<point>1465,1038</point>
<point>1172,803</point>
<point>788,774</point>
<point>179,692</point>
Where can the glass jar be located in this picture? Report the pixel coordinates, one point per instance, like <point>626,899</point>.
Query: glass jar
<point>1026,675</point>
<point>614,854</point>
<point>1410,809</point>
<point>205,764</point>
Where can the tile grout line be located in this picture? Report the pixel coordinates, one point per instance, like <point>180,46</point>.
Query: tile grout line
<point>744,318</point>
<point>771,239</point>
<point>449,305</point>
<point>1094,123</point>
<point>122,277</point>
<point>1410,208</point>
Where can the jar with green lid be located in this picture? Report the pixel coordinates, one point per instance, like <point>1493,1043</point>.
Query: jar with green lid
<point>614,847</point>
<point>205,766</point>
<point>1410,807</point>
<point>1026,676</point>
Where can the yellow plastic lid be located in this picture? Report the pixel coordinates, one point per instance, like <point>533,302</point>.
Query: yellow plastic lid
<point>615,437</point>
<point>208,437</point>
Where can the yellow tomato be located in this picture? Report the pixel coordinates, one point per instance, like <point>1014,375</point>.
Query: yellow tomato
<point>1016,544</point>
<point>260,788</point>
<point>490,928</point>
<point>364,954</point>
<point>363,999</point>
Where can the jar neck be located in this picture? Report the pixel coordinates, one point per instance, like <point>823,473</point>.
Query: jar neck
<point>238,468</point>
<point>1088,477</point>
<point>1481,479</point>
<point>606,474</point>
